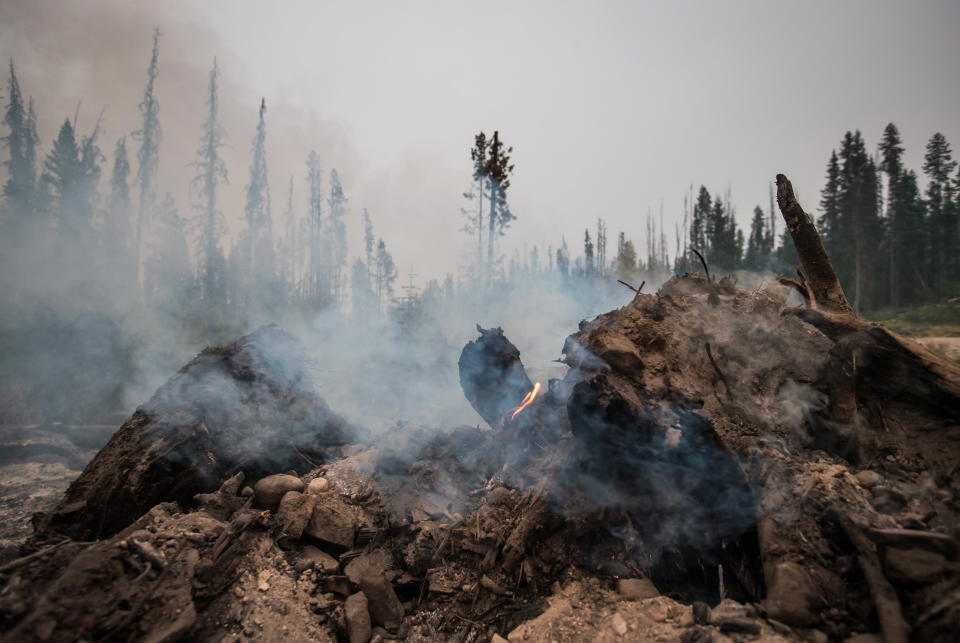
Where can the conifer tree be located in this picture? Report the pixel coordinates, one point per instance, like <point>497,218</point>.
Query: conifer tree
<point>891,164</point>
<point>385,275</point>
<point>168,277</point>
<point>588,267</point>
<point>702,209</point>
<point>211,172</point>
<point>759,248</point>
<point>938,165</point>
<point>20,144</point>
<point>258,268</point>
<point>148,156</point>
<point>828,224</point>
<point>369,242</point>
<point>625,262</point>
<point>289,263</point>
<point>317,278</point>
<point>859,228</point>
<point>117,235</point>
<point>498,168</point>
<point>337,235</point>
<point>478,154</point>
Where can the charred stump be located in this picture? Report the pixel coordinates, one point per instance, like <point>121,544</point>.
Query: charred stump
<point>492,375</point>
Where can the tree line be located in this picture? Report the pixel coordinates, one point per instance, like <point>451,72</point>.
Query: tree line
<point>130,246</point>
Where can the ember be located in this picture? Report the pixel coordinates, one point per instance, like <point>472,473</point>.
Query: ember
<point>527,401</point>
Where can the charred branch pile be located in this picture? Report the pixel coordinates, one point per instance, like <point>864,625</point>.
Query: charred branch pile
<point>716,464</point>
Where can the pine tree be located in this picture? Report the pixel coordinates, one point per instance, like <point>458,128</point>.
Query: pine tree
<point>498,170</point>
<point>588,266</point>
<point>259,269</point>
<point>20,142</point>
<point>385,275</point>
<point>699,234</point>
<point>168,277</point>
<point>369,242</point>
<point>211,172</point>
<point>337,235</point>
<point>317,281</point>
<point>148,156</point>
<point>625,263</point>
<point>859,228</point>
<point>478,154</point>
<point>601,263</point>
<point>563,258</point>
<point>891,164</point>
<point>290,263</point>
<point>938,165</point>
<point>759,245</point>
<point>71,174</point>
<point>117,235</point>
<point>830,206</point>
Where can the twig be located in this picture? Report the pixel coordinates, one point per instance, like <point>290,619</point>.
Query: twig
<point>723,378</point>
<point>885,599</point>
<point>37,554</point>
<point>469,622</point>
<point>703,262</point>
<point>636,290</point>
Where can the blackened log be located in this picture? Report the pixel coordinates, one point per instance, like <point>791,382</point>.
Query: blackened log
<point>492,375</point>
<point>247,406</point>
<point>821,277</point>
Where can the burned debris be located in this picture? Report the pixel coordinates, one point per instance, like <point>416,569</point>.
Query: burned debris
<point>716,464</point>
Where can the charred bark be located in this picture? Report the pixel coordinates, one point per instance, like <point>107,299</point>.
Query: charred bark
<point>821,277</point>
<point>492,375</point>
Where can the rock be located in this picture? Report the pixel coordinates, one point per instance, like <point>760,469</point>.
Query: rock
<point>294,513</point>
<point>636,589</point>
<point>864,638</point>
<point>868,478</point>
<point>914,565</point>
<point>357,614</point>
<point>268,491</point>
<point>498,639</point>
<point>701,613</point>
<point>320,559</point>
<point>333,521</point>
<point>318,485</point>
<point>375,562</point>
<point>246,492</point>
<point>384,606</point>
<point>791,595</point>
<point>618,624</point>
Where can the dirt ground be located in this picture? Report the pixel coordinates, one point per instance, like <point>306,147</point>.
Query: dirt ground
<point>948,346</point>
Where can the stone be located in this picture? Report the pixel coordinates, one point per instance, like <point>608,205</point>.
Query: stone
<point>318,485</point>
<point>357,615</point>
<point>791,595</point>
<point>268,491</point>
<point>333,521</point>
<point>701,613</point>
<point>618,624</point>
<point>376,562</point>
<point>868,479</point>
<point>294,513</point>
<point>914,565</point>
<point>864,638</point>
<point>320,559</point>
<point>636,589</point>
<point>498,639</point>
<point>385,608</point>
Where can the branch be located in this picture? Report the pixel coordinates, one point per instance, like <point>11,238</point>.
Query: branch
<point>703,262</point>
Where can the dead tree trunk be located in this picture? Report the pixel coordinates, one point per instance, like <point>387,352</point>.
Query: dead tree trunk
<point>821,276</point>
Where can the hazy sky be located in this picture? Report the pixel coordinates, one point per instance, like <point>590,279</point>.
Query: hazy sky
<point>611,107</point>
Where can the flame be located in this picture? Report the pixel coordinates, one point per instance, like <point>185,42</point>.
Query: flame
<point>527,400</point>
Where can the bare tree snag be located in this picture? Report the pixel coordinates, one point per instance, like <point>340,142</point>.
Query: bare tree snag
<point>821,277</point>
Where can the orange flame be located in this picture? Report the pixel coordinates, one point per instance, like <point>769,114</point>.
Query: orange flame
<point>527,400</point>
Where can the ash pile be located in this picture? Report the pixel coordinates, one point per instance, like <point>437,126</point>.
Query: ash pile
<point>715,465</point>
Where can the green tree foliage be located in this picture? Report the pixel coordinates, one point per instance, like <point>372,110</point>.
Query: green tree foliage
<point>148,155</point>
<point>943,266</point>
<point>759,244</point>
<point>21,142</point>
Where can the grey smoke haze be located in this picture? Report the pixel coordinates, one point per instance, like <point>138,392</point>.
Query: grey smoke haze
<point>612,108</point>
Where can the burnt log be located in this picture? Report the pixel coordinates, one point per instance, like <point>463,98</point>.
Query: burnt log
<point>247,406</point>
<point>821,277</point>
<point>492,375</point>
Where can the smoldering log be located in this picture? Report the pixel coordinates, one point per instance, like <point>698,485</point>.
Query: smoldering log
<point>246,406</point>
<point>492,376</point>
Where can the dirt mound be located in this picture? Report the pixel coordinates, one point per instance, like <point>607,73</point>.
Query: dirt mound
<point>715,465</point>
